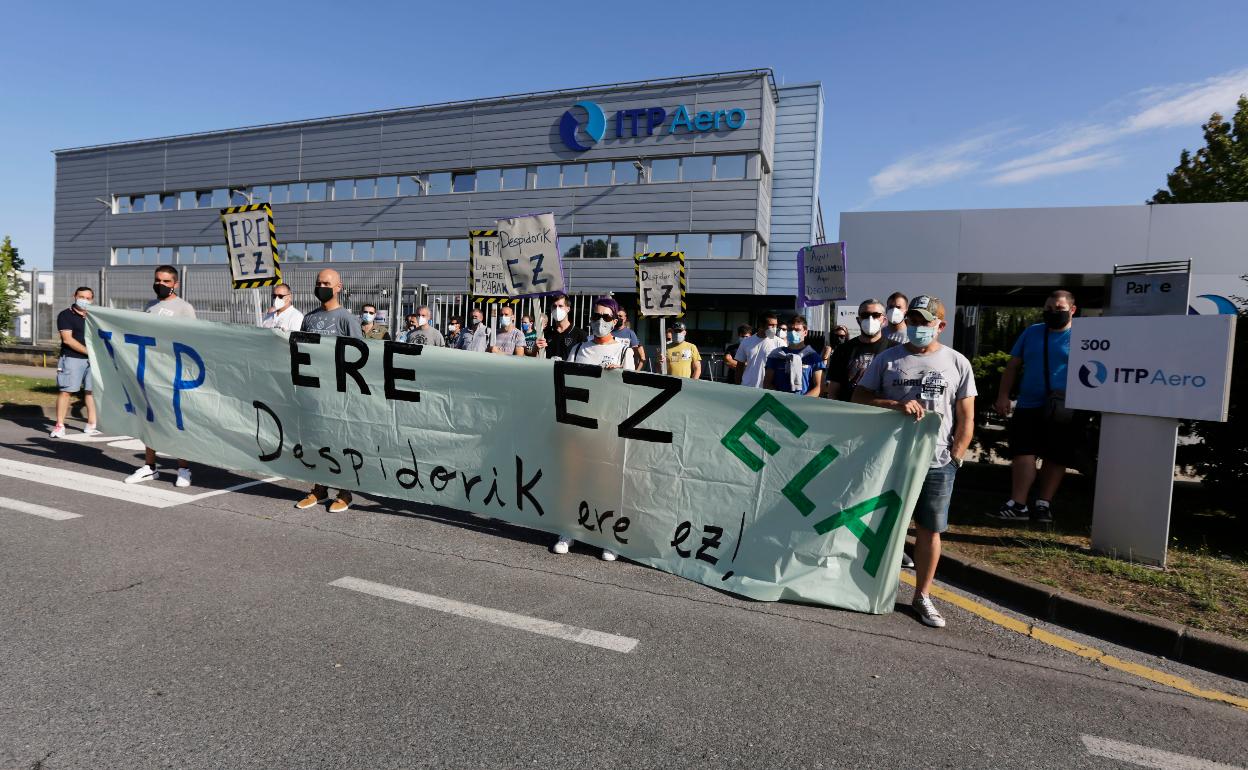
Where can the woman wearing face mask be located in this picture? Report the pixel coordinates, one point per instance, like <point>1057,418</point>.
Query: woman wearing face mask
<point>602,349</point>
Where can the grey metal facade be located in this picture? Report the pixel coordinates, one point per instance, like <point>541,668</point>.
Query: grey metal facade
<point>775,207</point>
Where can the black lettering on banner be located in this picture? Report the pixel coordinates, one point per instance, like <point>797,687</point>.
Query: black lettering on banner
<point>343,367</point>
<point>335,467</point>
<point>596,522</point>
<point>393,373</point>
<point>298,358</point>
<point>564,393</point>
<point>264,456</point>
<point>666,299</point>
<point>583,515</point>
<point>441,474</point>
<point>619,528</point>
<point>669,386</point>
<point>297,451</point>
<point>357,462</point>
<point>524,490</point>
<point>682,534</point>
<point>412,472</point>
<point>710,542</point>
<point>469,483</point>
<point>493,493</point>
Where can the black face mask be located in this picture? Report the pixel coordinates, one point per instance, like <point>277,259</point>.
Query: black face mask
<point>162,291</point>
<point>1056,319</point>
<point>324,293</point>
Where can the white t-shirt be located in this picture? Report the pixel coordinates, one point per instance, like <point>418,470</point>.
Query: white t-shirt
<point>754,351</point>
<point>616,352</point>
<point>289,320</point>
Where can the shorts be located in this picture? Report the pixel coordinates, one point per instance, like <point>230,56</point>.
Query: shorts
<point>931,511</point>
<point>1031,434</point>
<point>73,374</point>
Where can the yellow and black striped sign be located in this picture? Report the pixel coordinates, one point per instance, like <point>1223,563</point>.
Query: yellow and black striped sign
<point>495,301</point>
<point>253,263</point>
<point>473,235</point>
<point>665,278</point>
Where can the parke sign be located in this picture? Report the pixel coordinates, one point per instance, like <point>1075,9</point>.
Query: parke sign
<point>1157,366</point>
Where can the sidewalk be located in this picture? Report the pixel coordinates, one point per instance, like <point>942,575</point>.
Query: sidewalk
<point>41,372</point>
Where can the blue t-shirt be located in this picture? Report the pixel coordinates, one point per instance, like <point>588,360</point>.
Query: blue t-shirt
<point>1030,348</point>
<point>778,363</point>
<point>626,334</point>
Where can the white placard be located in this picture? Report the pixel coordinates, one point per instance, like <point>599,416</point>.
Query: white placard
<point>821,273</point>
<point>660,285</point>
<point>489,274</point>
<point>529,247</point>
<point>1157,366</point>
<point>251,242</point>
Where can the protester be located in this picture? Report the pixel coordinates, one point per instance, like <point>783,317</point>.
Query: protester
<point>733,366</point>
<point>331,319</point>
<point>895,315</point>
<point>477,337</point>
<point>683,358</point>
<point>1038,428</point>
<point>560,336</point>
<point>605,350</point>
<point>368,324</point>
<point>73,368</point>
<point>453,327</point>
<point>282,313</point>
<point>796,368</point>
<point>168,305</point>
<point>421,331</point>
<point>409,326</point>
<point>752,355</point>
<point>916,378</point>
<point>530,333</point>
<point>624,332</point>
<point>850,361</point>
<point>509,341</point>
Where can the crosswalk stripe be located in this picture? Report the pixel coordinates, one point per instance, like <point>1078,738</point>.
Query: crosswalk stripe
<point>1146,757</point>
<point>21,506</point>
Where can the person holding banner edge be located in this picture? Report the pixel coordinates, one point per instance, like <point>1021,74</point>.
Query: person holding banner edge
<point>916,378</point>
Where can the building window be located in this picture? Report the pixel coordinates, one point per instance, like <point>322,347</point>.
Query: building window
<point>515,178</point>
<point>730,167</point>
<point>405,250</point>
<point>136,203</point>
<point>594,247</point>
<point>123,207</point>
<point>695,245</point>
<point>665,170</point>
<point>489,180</point>
<point>599,174</point>
<point>219,255</point>
<point>151,202</point>
<point>315,253</point>
<point>186,200</point>
<point>439,183</point>
<point>317,191</point>
<point>387,186</point>
<point>220,198</point>
<point>571,245</point>
<point>547,177</point>
<point>239,197</point>
<point>342,189</point>
<point>383,251</point>
<point>279,193</point>
<point>409,185</point>
<point>169,202</point>
<point>293,252</point>
<point>660,243</point>
<point>203,199</point>
<point>626,172</point>
<point>362,251</point>
<point>574,175</point>
<point>365,188</point>
<point>726,246</point>
<point>340,251</point>
<point>457,248</point>
<point>623,247</point>
<point>435,249</point>
<point>464,182</point>
<point>260,194</point>
<point>299,192</point>
<point>697,168</point>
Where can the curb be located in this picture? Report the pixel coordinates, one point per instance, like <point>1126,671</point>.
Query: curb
<point>1202,649</point>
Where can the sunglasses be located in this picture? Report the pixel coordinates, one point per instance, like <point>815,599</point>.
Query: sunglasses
<point>280,296</point>
<point>870,315</point>
<point>601,317</point>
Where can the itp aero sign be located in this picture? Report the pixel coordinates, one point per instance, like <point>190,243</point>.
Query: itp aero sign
<point>1157,366</point>
<point>645,121</point>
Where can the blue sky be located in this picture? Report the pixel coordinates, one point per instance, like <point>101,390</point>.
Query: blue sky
<point>929,105</point>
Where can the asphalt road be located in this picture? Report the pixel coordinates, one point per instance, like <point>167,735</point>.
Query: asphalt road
<point>206,633</point>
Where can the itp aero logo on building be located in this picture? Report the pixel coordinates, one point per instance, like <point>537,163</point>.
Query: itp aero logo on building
<point>1093,374</point>
<point>595,126</point>
<point>643,122</point>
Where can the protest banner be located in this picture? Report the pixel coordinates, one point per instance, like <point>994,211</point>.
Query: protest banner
<point>766,495</point>
<point>821,273</point>
<point>251,242</point>
<point>487,275</point>
<point>660,284</point>
<point>529,248</point>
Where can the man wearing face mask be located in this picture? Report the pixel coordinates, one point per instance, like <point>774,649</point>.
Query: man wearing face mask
<point>478,337</point>
<point>421,331</point>
<point>331,319</point>
<point>850,360</point>
<point>683,358</point>
<point>1042,352</point>
<point>752,355</point>
<point>796,368</point>
<point>895,317</point>
<point>453,327</point>
<point>509,341</point>
<point>282,314</point>
<point>368,324</point>
<point>167,304</point>
<point>560,336</point>
<point>916,378</point>
<point>73,368</point>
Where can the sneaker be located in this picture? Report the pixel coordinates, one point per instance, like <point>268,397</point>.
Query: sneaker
<point>312,499</point>
<point>90,430</point>
<point>58,431</point>
<point>1011,512</point>
<point>608,554</point>
<point>341,503</point>
<point>1043,515</point>
<point>927,611</point>
<point>184,478</point>
<point>906,561</point>
<point>144,473</point>
<point>563,544</point>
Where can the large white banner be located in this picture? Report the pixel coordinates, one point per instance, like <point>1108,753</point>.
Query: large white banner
<point>766,495</point>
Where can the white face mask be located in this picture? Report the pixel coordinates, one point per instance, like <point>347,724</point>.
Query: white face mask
<point>453,328</point>
<point>895,315</point>
<point>368,317</point>
<point>421,321</point>
<point>279,303</point>
<point>504,321</point>
<point>601,328</point>
<point>679,337</point>
<point>772,331</point>
<point>559,314</point>
<point>869,326</point>
<point>82,302</point>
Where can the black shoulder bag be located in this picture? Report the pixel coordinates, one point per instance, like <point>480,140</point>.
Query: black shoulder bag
<point>1055,409</point>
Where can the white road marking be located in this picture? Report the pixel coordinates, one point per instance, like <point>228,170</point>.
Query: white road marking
<point>115,489</point>
<point>498,617</point>
<point>83,438</point>
<point>128,443</point>
<point>37,510</point>
<point>1146,757</point>
<point>234,488</point>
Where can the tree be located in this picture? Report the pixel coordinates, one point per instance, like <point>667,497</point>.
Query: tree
<point>10,288</point>
<point>1218,172</point>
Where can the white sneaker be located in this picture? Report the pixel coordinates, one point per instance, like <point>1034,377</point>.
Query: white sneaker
<point>90,430</point>
<point>58,431</point>
<point>906,561</point>
<point>184,478</point>
<point>608,554</point>
<point>562,544</point>
<point>927,611</point>
<point>144,473</point>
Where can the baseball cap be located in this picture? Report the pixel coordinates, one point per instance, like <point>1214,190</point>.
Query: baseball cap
<point>927,306</point>
<point>679,326</point>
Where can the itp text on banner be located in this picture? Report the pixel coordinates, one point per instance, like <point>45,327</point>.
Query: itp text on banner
<point>766,495</point>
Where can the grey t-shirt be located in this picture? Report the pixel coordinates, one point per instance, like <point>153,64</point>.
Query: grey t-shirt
<point>174,306</point>
<point>899,336</point>
<point>425,335</point>
<point>936,380</point>
<point>338,322</point>
<point>479,339</point>
<point>508,341</point>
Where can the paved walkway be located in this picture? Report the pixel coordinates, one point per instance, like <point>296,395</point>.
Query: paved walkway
<point>44,372</point>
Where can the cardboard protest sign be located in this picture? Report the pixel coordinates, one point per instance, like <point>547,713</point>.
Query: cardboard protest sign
<point>529,247</point>
<point>767,495</point>
<point>487,274</point>
<point>821,273</point>
<point>251,241</point>
<point>660,283</point>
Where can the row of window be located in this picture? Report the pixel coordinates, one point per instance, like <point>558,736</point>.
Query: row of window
<point>697,168</point>
<point>695,246</point>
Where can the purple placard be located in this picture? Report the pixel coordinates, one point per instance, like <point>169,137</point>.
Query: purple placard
<point>801,273</point>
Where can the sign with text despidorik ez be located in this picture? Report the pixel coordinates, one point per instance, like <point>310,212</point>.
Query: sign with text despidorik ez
<point>1158,366</point>
<point>770,496</point>
<point>529,250</point>
<point>251,242</point>
<point>660,283</point>
<point>821,273</point>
